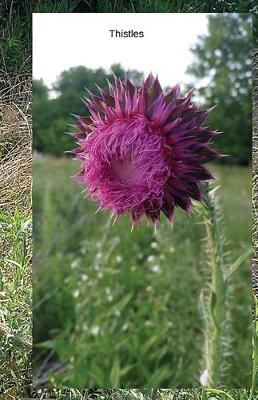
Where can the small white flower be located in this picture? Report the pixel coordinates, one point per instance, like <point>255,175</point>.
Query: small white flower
<point>171,249</point>
<point>107,290</point>
<point>25,225</point>
<point>75,263</point>
<point>155,268</point>
<point>83,251</point>
<point>150,258</point>
<point>118,259</point>
<point>117,313</point>
<point>149,288</point>
<point>154,245</point>
<point>76,294</point>
<point>100,275</point>
<point>98,255</point>
<point>95,330</point>
<point>204,378</point>
<point>125,326</point>
<point>110,297</point>
<point>84,277</point>
<point>133,268</point>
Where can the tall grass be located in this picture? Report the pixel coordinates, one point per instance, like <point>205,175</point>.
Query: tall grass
<point>15,297</point>
<point>15,236</point>
<point>136,394</point>
<point>171,6</point>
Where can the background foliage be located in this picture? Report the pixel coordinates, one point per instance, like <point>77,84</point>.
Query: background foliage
<point>225,57</point>
<point>114,303</point>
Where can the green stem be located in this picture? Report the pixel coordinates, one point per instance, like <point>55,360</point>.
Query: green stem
<point>218,291</point>
<point>217,308</point>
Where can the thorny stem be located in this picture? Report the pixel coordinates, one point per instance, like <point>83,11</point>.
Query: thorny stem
<point>215,311</point>
<point>218,308</point>
<point>218,292</point>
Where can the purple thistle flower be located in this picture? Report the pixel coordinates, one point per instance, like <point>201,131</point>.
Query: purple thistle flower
<point>142,149</point>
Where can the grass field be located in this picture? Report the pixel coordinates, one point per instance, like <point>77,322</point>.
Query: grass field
<point>174,6</point>
<point>116,308</point>
<point>136,394</point>
<point>15,237</point>
<point>15,298</point>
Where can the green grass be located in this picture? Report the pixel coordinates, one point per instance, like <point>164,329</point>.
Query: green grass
<point>174,6</point>
<point>136,394</point>
<point>123,305</point>
<point>15,298</point>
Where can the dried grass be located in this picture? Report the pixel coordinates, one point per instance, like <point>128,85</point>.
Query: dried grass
<point>15,142</point>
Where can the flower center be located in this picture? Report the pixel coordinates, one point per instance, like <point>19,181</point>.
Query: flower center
<point>126,171</point>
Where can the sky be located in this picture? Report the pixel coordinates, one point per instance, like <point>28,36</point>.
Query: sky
<point>61,41</point>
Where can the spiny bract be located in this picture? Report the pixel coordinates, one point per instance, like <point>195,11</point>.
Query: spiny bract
<point>142,149</point>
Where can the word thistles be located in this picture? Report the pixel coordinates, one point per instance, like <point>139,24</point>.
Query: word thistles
<point>125,34</point>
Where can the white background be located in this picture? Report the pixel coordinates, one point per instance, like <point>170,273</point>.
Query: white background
<point>61,41</point>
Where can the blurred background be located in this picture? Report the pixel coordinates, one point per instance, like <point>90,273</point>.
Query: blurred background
<point>114,308</point>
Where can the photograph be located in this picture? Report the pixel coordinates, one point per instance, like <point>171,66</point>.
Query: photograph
<point>142,147</point>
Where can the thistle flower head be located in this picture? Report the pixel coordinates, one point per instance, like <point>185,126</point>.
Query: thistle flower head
<point>142,149</point>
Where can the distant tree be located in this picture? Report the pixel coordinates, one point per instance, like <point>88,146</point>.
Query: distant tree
<point>40,111</point>
<point>52,116</point>
<point>74,84</point>
<point>40,89</point>
<point>223,57</point>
